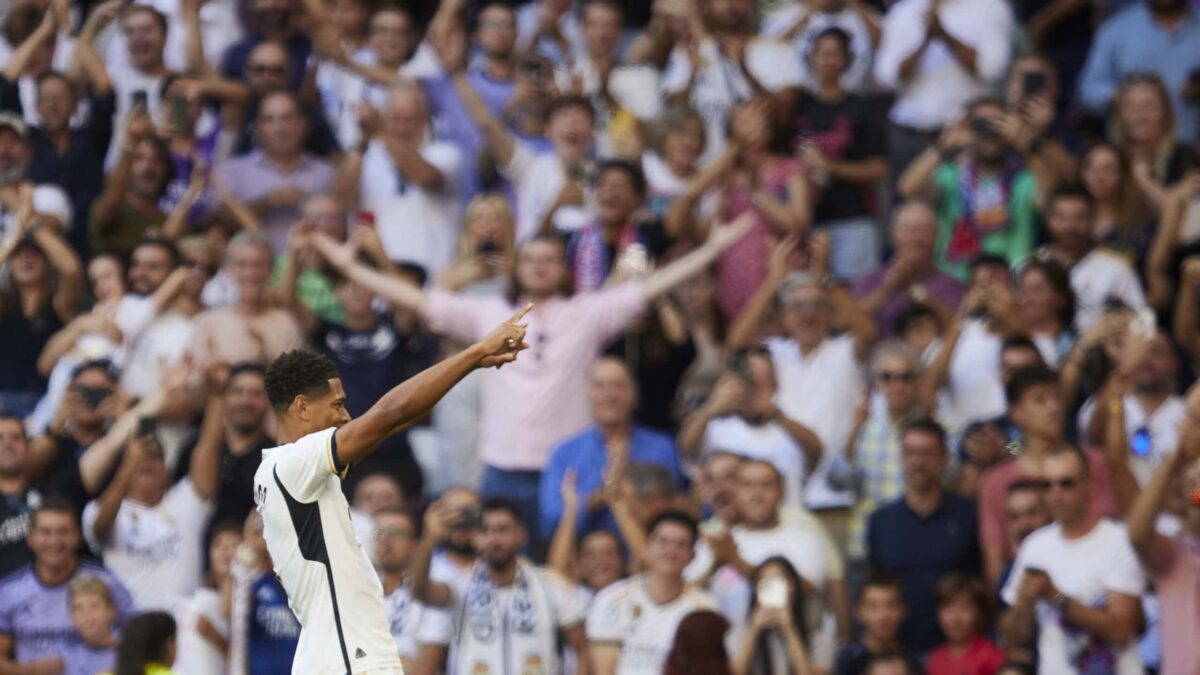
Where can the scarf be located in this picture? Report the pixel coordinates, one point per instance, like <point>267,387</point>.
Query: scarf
<point>518,639</point>
<point>590,257</point>
<point>984,209</point>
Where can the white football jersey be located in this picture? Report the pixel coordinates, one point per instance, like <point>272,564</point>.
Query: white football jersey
<point>331,586</point>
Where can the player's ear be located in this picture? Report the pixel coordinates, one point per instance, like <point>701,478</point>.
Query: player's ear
<point>301,408</point>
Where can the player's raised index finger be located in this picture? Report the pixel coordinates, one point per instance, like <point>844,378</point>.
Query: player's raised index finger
<point>516,318</point>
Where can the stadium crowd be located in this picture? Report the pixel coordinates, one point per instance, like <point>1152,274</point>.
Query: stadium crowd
<point>862,342</point>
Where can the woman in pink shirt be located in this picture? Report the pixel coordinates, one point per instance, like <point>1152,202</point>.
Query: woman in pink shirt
<point>527,410</point>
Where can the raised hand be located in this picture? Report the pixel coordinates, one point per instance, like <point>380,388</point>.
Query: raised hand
<point>569,491</point>
<point>780,262</point>
<point>505,342</point>
<point>338,255</point>
<point>722,236</point>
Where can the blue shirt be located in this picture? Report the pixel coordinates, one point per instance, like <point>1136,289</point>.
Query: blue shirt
<point>37,617</point>
<point>453,124</point>
<point>274,630</point>
<point>1131,42</point>
<point>920,551</point>
<point>586,454</point>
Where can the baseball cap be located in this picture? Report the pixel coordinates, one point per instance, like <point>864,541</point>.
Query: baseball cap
<point>13,121</point>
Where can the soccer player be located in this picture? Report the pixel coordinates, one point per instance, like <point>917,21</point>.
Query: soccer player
<point>330,583</point>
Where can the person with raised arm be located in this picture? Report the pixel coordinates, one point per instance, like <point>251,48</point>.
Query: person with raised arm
<point>542,400</point>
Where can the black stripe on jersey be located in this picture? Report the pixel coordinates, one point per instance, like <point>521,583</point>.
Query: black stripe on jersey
<point>338,467</point>
<point>306,519</point>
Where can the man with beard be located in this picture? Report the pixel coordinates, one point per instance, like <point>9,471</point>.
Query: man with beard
<point>1157,36</point>
<point>50,204</point>
<point>129,204</point>
<point>447,551</point>
<point>509,612</point>
<point>1098,274</point>
<point>421,633</point>
<point>271,21</point>
<point>984,191</point>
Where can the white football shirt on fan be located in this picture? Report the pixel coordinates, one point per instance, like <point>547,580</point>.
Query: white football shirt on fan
<point>625,613</point>
<point>331,586</point>
<point>415,625</point>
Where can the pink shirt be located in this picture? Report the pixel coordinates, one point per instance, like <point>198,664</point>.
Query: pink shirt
<point>1177,580</point>
<point>531,405</point>
<point>993,495</point>
<point>982,657</point>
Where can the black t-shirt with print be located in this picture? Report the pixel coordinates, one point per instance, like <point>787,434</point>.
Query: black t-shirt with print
<point>846,130</point>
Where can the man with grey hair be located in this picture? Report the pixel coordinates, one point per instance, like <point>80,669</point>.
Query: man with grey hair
<point>819,374</point>
<point>911,275</point>
<point>874,448</point>
<point>407,180</point>
<point>252,329</point>
<point>49,202</point>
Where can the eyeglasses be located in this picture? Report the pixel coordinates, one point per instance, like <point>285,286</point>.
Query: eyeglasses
<point>906,376</point>
<point>261,69</point>
<point>1141,443</point>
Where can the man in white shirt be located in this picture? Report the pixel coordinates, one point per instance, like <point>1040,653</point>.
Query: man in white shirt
<point>1098,274</point>
<point>219,27</point>
<point>330,583</point>
<point>937,55</point>
<point>631,625</point>
<point>141,78</point>
<point>741,418</point>
<point>508,614</point>
<point>421,632</point>
<point>727,557</point>
<point>151,534</point>
<point>409,182</point>
<point>737,66</point>
<point>1077,581</point>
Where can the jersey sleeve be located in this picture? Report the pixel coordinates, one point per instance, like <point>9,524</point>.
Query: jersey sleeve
<point>605,620</point>
<point>571,603</point>
<point>436,627</point>
<point>88,525</point>
<point>304,466</point>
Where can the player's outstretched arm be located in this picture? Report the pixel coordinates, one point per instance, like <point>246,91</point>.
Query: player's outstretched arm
<point>410,400</point>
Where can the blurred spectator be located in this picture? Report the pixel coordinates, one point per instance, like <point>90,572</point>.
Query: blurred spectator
<point>140,81</point>
<point>880,612</point>
<point>252,330</point>
<point>274,178</point>
<point>94,616</point>
<point>723,64</point>
<point>874,447</point>
<point>149,532</point>
<point>410,183</point>
<point>741,418</point>
<point>1152,132</point>
<point>751,177</point>
<point>1161,37</point>
<point>776,637</point>
<point>1121,218</point>
<point>1024,513</point>
<point>925,535</point>
<point>267,69</point>
<point>819,374</point>
<point>910,276</point>
<point>1076,582</point>
<point>699,646</point>
<point>507,599</point>
<point>1038,121</point>
<point>204,627</point>
<point>964,612</point>
<point>550,28</point>
<point>842,142</point>
<point>272,21</point>
<point>147,645</point>
<point>35,41</point>
<point>631,624</point>
<point>602,453</point>
<point>264,630</point>
<point>1035,407</point>
<point>447,533</point>
<point>1098,275</point>
<point>128,206</point>
<point>801,24</point>
<point>26,205</point>
<point>36,631</point>
<point>672,157</point>
<point>984,185</point>
<point>938,56</point>
<point>421,632</point>
<point>1170,561</point>
<point>1046,305</point>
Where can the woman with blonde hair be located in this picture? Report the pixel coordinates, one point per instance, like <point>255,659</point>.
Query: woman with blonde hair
<point>483,260</point>
<point>1144,127</point>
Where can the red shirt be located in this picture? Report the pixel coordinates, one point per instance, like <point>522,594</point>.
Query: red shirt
<point>982,657</point>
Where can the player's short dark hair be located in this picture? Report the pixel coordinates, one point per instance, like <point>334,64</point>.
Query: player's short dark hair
<point>675,517</point>
<point>1027,378</point>
<point>295,373</point>
<point>502,505</point>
